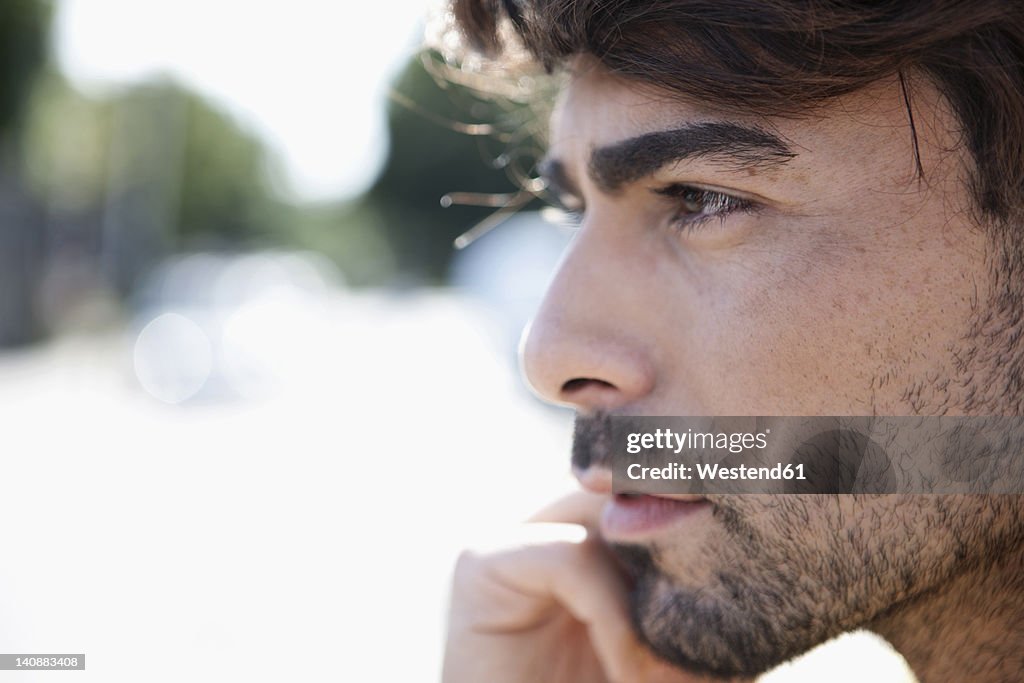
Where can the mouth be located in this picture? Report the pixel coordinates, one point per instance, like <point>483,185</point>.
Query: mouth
<point>633,518</point>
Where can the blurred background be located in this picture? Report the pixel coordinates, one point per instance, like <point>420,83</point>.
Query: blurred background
<point>252,401</point>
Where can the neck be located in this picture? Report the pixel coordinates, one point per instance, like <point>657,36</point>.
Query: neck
<point>971,629</point>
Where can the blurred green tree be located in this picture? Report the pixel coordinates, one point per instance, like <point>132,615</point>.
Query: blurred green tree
<point>442,141</point>
<point>24,33</point>
<point>120,180</point>
<point>164,170</point>
<point>23,46</point>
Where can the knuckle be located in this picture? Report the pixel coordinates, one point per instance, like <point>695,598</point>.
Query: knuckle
<point>471,566</point>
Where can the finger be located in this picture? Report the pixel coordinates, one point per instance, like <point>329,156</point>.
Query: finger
<point>592,589</point>
<point>582,578</point>
<point>580,507</point>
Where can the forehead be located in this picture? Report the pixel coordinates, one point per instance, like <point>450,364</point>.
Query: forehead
<point>604,109</point>
<point>597,109</point>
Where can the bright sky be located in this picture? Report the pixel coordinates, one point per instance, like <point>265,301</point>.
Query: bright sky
<point>310,76</point>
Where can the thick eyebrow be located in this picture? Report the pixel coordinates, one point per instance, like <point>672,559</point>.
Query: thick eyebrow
<point>734,146</point>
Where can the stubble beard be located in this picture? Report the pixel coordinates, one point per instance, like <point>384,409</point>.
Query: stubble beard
<point>754,608</point>
<point>815,566</point>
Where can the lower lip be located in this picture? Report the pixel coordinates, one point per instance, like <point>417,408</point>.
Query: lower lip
<point>634,518</point>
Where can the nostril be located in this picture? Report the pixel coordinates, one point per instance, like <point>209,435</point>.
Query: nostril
<point>579,383</point>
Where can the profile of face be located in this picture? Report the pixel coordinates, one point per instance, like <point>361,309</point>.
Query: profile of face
<point>826,264</point>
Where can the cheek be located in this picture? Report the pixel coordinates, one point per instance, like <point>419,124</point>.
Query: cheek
<point>767,316</point>
<point>817,322</point>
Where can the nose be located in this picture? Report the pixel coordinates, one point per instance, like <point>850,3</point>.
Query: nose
<point>585,348</point>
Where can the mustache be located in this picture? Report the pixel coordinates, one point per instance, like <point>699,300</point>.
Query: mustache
<point>593,441</point>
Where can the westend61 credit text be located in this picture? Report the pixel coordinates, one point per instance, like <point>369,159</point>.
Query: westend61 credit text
<point>712,471</point>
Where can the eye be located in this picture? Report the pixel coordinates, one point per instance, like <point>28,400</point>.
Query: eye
<point>695,206</point>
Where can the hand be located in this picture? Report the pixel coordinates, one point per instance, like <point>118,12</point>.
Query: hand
<point>549,607</point>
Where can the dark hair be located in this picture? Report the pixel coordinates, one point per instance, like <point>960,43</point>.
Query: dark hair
<point>779,57</point>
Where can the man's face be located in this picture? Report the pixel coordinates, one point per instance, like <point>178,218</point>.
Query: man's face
<point>840,283</point>
<point>731,265</point>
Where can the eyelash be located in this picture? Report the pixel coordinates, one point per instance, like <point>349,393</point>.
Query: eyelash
<point>713,205</point>
<point>720,204</point>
